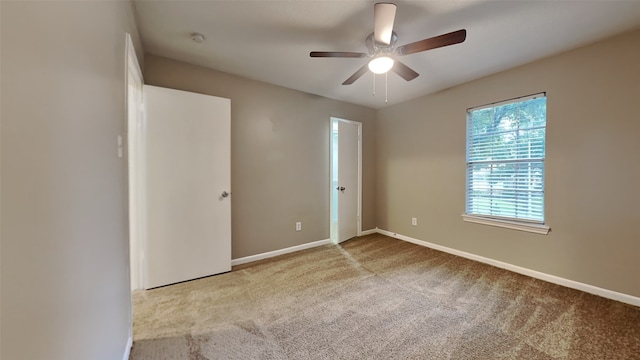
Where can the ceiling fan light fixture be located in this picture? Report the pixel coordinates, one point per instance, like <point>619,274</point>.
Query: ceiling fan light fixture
<point>381,64</point>
<point>381,46</point>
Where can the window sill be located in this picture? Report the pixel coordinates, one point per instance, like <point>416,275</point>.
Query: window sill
<point>522,226</point>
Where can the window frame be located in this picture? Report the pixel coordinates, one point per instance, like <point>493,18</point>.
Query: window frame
<point>521,224</point>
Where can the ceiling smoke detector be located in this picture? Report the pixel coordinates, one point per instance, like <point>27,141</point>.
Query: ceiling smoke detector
<point>197,37</point>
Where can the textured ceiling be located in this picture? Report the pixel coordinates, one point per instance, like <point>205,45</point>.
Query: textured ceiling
<point>270,40</point>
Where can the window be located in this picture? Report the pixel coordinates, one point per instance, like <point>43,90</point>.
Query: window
<point>505,163</point>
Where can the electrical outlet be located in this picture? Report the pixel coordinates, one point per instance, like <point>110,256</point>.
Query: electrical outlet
<point>298,226</point>
<point>414,221</point>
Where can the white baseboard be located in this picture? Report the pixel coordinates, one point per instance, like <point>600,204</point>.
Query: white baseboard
<point>248,259</point>
<point>368,232</point>
<point>127,350</point>
<point>609,294</point>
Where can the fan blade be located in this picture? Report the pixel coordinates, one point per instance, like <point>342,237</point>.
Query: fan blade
<point>404,71</point>
<point>384,15</point>
<point>356,75</point>
<point>337,54</point>
<point>451,38</point>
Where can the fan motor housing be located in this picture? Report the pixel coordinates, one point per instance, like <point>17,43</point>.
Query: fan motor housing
<point>375,48</point>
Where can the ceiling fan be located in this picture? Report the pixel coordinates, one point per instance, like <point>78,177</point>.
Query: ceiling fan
<point>381,46</point>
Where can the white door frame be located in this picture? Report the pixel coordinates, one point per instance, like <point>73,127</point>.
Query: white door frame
<point>135,168</point>
<point>335,239</point>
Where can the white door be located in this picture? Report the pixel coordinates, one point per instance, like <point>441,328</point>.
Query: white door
<point>188,186</point>
<point>347,188</point>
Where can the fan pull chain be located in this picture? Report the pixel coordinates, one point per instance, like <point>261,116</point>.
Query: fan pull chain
<point>385,87</point>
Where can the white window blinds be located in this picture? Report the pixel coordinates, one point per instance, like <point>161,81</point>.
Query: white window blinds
<point>505,159</point>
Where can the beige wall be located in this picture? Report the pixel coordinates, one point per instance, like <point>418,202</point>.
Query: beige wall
<point>279,155</point>
<point>65,292</point>
<point>592,172</point>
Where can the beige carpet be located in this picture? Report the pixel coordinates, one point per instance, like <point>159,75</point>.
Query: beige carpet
<point>378,298</point>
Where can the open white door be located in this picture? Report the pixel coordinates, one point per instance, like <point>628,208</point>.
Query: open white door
<point>348,191</point>
<point>188,186</point>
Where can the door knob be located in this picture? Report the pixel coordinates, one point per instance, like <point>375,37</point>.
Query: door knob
<point>224,194</point>
<point>341,188</point>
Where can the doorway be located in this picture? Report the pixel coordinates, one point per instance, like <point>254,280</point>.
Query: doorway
<point>345,179</point>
